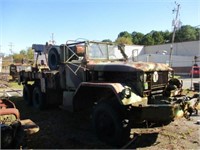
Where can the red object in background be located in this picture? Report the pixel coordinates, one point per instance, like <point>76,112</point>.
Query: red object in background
<point>195,71</point>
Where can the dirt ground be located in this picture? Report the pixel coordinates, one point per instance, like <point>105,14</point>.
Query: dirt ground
<point>60,129</point>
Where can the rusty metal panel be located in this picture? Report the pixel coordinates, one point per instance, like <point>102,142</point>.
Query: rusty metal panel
<point>74,76</point>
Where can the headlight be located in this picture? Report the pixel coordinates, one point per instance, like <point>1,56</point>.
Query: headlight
<point>127,92</point>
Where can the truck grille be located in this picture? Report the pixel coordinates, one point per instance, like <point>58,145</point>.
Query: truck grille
<point>161,82</point>
<point>157,81</point>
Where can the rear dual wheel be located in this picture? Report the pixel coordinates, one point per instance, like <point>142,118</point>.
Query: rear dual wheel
<point>27,94</point>
<point>39,101</point>
<point>32,95</point>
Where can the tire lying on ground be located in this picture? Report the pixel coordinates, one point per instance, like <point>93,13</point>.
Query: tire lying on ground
<point>39,101</point>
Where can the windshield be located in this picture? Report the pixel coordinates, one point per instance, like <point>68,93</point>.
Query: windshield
<point>103,51</point>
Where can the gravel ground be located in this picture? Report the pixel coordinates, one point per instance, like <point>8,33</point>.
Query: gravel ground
<point>60,129</point>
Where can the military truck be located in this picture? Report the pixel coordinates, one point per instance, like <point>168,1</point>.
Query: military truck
<point>92,75</point>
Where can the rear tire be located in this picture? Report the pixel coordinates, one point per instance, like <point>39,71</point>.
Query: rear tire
<point>109,126</point>
<point>27,94</point>
<point>38,98</point>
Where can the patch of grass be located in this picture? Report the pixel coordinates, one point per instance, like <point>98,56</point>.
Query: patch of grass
<point>15,85</point>
<point>177,77</point>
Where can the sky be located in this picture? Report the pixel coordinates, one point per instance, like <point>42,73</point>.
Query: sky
<point>27,22</point>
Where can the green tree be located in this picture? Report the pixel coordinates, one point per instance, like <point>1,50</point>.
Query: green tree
<point>24,56</point>
<point>23,52</point>
<point>124,34</point>
<point>137,37</point>
<point>17,58</point>
<point>124,40</point>
<point>158,38</point>
<point>30,54</point>
<point>197,33</point>
<point>185,33</point>
<point>107,40</point>
<point>147,40</point>
<point>166,36</point>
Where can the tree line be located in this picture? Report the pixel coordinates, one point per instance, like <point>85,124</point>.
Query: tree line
<point>183,34</point>
<point>23,57</point>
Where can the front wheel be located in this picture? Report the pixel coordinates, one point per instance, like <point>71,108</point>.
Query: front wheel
<point>38,98</point>
<point>109,126</point>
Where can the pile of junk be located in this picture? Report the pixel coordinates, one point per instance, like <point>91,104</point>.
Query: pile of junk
<point>13,129</point>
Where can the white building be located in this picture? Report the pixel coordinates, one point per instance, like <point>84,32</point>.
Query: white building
<point>183,54</point>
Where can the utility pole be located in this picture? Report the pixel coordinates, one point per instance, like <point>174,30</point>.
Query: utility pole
<point>176,24</point>
<point>52,39</point>
<point>11,46</point>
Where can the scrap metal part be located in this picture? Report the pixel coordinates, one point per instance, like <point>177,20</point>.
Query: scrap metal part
<point>188,105</point>
<point>13,130</point>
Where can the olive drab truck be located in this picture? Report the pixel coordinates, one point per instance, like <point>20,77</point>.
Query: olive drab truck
<point>92,75</point>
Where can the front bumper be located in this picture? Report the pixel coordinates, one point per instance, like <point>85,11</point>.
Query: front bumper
<point>152,113</point>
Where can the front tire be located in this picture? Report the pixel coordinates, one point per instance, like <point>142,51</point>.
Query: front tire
<point>109,126</point>
<point>38,98</point>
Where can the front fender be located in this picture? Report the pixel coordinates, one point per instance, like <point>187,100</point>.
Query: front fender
<point>117,89</point>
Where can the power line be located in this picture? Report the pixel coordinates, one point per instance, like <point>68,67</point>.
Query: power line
<point>176,24</point>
